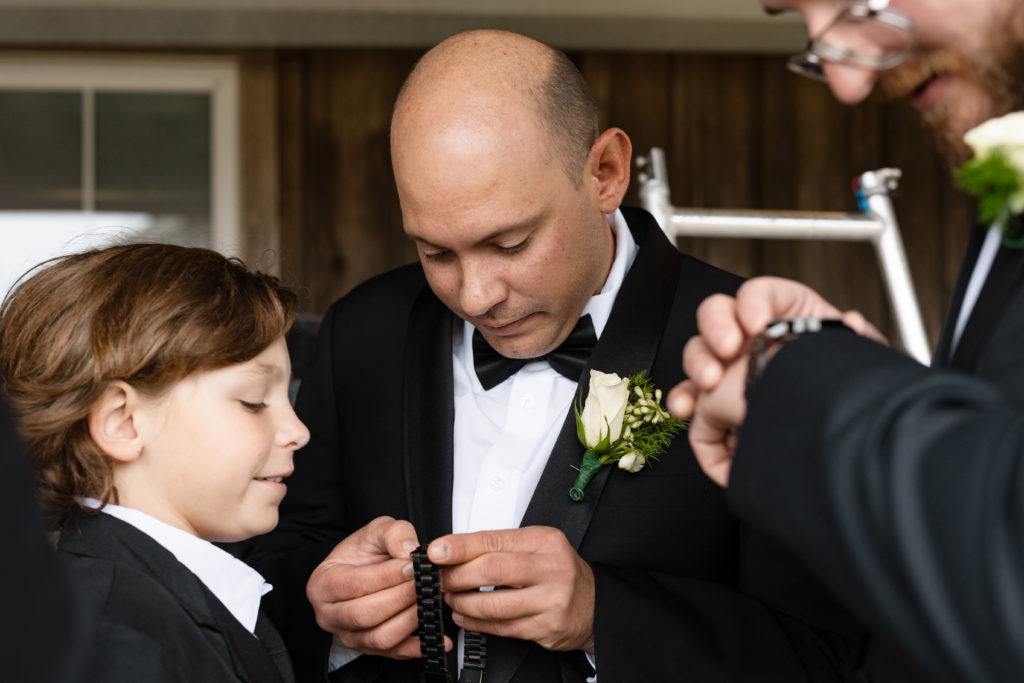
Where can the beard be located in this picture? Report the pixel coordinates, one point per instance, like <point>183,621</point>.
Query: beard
<point>996,79</point>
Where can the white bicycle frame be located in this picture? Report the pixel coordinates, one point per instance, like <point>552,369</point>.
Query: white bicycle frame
<point>876,224</point>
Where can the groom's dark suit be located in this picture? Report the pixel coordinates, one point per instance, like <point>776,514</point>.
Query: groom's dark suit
<point>904,485</point>
<point>671,566</point>
<point>152,619</point>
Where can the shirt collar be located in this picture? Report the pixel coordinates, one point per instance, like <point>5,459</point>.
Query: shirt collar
<point>237,585</point>
<point>599,307</point>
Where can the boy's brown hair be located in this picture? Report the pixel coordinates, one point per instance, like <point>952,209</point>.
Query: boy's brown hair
<point>146,314</point>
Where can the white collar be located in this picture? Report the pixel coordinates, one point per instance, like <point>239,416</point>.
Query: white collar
<point>599,307</point>
<point>237,585</point>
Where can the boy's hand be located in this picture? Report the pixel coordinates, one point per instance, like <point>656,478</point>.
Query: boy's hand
<point>364,591</point>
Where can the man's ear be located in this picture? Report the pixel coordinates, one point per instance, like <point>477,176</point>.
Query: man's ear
<point>608,165</point>
<point>112,422</point>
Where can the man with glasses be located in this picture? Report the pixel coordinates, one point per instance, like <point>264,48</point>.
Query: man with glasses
<point>903,486</point>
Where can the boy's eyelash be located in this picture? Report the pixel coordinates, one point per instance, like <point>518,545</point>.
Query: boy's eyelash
<point>253,407</point>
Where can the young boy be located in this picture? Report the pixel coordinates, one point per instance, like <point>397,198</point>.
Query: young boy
<point>151,383</point>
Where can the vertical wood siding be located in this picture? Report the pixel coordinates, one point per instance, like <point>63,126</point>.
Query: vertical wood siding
<point>739,131</point>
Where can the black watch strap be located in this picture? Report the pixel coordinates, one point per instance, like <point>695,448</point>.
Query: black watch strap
<point>474,657</point>
<point>431,619</point>
<point>429,606</point>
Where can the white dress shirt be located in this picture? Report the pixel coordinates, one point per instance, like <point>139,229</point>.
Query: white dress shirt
<point>237,585</point>
<point>503,437</point>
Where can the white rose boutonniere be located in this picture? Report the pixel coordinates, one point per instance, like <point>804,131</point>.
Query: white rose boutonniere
<point>604,410</point>
<point>996,174</point>
<point>622,421</point>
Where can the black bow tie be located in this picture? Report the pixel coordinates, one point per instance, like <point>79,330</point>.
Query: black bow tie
<point>568,360</point>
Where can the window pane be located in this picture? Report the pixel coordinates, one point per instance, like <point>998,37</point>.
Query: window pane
<point>40,150</point>
<point>153,156</point>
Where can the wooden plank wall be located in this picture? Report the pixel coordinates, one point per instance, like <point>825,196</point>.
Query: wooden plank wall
<point>739,132</point>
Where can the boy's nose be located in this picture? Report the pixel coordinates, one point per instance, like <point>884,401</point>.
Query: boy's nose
<point>293,434</point>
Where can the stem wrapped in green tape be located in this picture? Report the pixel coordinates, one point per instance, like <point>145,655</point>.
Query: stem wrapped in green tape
<point>588,468</point>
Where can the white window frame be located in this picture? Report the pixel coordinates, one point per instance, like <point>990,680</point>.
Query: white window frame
<point>88,73</point>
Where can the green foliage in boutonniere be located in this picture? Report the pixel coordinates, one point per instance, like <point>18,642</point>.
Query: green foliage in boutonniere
<point>996,174</point>
<point>622,421</point>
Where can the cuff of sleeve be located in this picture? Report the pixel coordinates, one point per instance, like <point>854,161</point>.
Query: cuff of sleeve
<point>340,655</point>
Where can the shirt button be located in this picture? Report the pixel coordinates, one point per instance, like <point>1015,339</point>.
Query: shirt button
<point>527,401</point>
<point>497,484</point>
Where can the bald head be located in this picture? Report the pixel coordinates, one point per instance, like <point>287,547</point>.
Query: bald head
<point>486,80</point>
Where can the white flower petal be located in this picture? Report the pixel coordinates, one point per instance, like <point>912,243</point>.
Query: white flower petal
<point>605,407</point>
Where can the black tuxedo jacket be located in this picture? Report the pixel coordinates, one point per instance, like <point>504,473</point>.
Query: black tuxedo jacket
<point>682,592</point>
<point>904,485</point>
<point>152,619</point>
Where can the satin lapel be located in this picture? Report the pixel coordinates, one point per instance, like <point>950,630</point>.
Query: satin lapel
<point>429,408</point>
<point>942,349</point>
<point>1002,281</point>
<point>628,345</point>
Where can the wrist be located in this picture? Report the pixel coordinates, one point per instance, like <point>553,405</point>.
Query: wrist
<point>776,335</point>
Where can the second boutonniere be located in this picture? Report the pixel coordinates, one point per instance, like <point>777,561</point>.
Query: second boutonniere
<point>621,421</point>
<point>996,174</point>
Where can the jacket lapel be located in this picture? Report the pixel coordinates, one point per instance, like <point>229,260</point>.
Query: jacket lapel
<point>1002,280</point>
<point>429,406</point>
<point>106,537</point>
<point>942,349</point>
<point>250,656</point>
<point>627,346</point>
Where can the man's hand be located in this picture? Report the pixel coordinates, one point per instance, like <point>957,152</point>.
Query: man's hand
<point>545,589</point>
<point>364,593</point>
<point>716,361</point>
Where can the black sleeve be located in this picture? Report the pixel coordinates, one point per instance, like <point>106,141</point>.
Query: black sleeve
<point>902,487</point>
<point>40,616</point>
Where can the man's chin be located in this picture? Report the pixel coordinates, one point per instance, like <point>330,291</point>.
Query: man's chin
<point>533,344</point>
<point>959,93</point>
<point>948,135</point>
<point>516,348</point>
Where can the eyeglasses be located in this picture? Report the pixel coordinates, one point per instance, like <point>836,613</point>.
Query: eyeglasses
<point>866,34</point>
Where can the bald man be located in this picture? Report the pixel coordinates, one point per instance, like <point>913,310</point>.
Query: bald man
<point>511,194</point>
